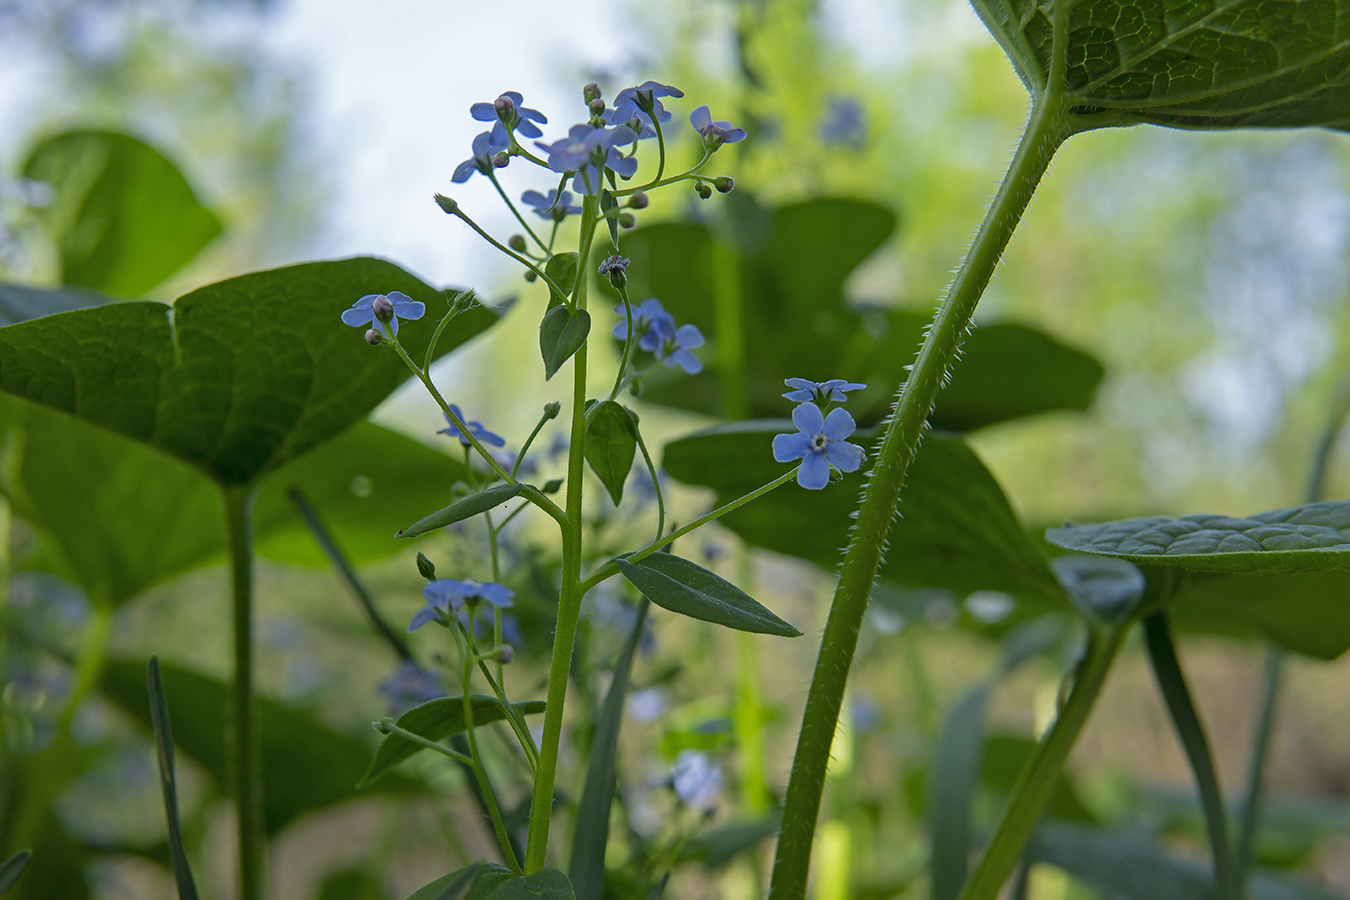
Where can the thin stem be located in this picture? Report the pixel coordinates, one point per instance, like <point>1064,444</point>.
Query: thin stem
<point>538,426</point>
<point>1037,781</point>
<point>1048,127</point>
<point>440,326</point>
<point>524,261</point>
<point>570,594</point>
<point>388,726</point>
<point>661,149</point>
<point>628,342</point>
<point>492,176</point>
<point>247,749</point>
<point>1167,670</point>
<point>656,485</point>
<point>662,182</point>
<point>1250,825</point>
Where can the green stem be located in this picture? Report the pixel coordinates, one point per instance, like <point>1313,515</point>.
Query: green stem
<point>570,593</point>
<point>388,726</point>
<point>440,326</point>
<point>524,261</point>
<point>524,448</point>
<point>627,343</point>
<point>1251,808</point>
<point>1167,670</point>
<point>1048,127</point>
<point>492,176</point>
<point>247,749</point>
<point>1037,781</point>
<point>662,182</point>
<point>656,486</point>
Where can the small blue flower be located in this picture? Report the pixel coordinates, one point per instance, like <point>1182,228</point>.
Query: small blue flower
<point>821,393</point>
<point>636,102</point>
<point>363,312</point>
<point>818,443</point>
<point>650,320</point>
<point>551,205</point>
<point>445,595</point>
<point>696,780</point>
<point>715,134</point>
<point>475,428</point>
<point>411,685</point>
<point>843,122</point>
<point>676,350</point>
<point>589,149</point>
<point>485,146</point>
<point>520,118</point>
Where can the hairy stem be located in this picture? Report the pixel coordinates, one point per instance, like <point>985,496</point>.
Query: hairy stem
<point>1048,128</point>
<point>247,749</point>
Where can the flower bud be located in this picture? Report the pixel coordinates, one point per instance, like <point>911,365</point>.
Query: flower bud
<point>627,220</point>
<point>516,242</point>
<point>383,308</point>
<point>506,653</point>
<point>374,338</point>
<point>425,567</point>
<point>552,486</point>
<point>530,275</point>
<point>446,204</point>
<point>551,410</point>
<point>703,190</point>
<point>506,109</point>
<point>597,107</point>
<point>724,184</point>
<point>500,159</point>
<point>614,267</point>
<point>591,92</point>
<point>640,200</point>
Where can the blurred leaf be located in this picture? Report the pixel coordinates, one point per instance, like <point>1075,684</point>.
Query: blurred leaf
<point>492,875</point>
<point>718,846</point>
<point>437,720</point>
<point>308,766</point>
<point>124,218</point>
<point>472,505</point>
<point>1103,589</point>
<point>689,589</point>
<point>239,377</point>
<point>1240,64</point>
<point>590,834</point>
<point>1130,867</point>
<point>159,724</point>
<point>19,303</point>
<point>1006,755</point>
<point>546,884</point>
<point>12,868</point>
<point>56,869</point>
<point>955,529</point>
<point>611,444</point>
<point>561,334</point>
<point>1306,613</point>
<point>351,884</point>
<point>778,274</point>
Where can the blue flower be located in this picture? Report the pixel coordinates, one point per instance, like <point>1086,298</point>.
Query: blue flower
<point>363,312</point>
<point>636,102</point>
<point>821,393</point>
<point>589,149</point>
<point>696,780</point>
<point>650,320</point>
<point>818,443</point>
<point>475,428</point>
<point>519,118</point>
<point>843,123</point>
<point>715,134</point>
<point>551,205</point>
<point>485,146</point>
<point>676,350</point>
<point>445,595</point>
<point>411,685</point>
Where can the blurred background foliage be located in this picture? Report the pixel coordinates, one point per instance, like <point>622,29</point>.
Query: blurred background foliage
<point>1206,272</point>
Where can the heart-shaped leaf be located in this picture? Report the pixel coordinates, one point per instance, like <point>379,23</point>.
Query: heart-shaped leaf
<point>546,884</point>
<point>435,721</point>
<point>689,589</point>
<point>561,334</point>
<point>236,378</point>
<point>484,882</point>
<point>611,444</point>
<point>472,505</point>
<point>1240,63</point>
<point>124,218</point>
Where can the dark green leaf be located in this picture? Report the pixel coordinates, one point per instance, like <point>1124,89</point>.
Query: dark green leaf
<point>309,766</point>
<point>19,303</point>
<point>238,377</point>
<point>610,210</point>
<point>720,845</point>
<point>586,866</point>
<point>955,530</point>
<point>1103,589</point>
<point>1306,612</point>
<point>562,269</point>
<point>159,724</point>
<point>611,444</point>
<point>561,334</point>
<point>12,868</point>
<point>689,589</point>
<point>492,875</point>
<point>351,884</point>
<point>1242,63</point>
<point>546,884</point>
<point>472,505</point>
<point>435,721</point>
<point>124,218</point>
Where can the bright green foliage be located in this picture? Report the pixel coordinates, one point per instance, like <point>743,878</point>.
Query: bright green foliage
<point>546,884</point>
<point>1310,538</point>
<point>772,286</point>
<point>238,377</point>
<point>611,444</point>
<point>309,766</point>
<point>561,334</point>
<point>124,218</point>
<point>689,589</point>
<point>956,529</point>
<point>1189,64</point>
<point>472,505</point>
<point>435,721</point>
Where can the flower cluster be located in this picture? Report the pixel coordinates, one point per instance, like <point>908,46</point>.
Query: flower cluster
<point>445,597</point>
<point>659,336</point>
<point>819,441</point>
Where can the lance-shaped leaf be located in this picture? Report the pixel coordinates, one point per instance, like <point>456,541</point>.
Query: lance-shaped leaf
<point>123,217</point>
<point>611,444</point>
<point>472,505</point>
<point>159,723</point>
<point>12,868</point>
<point>561,334</point>
<point>238,377</point>
<point>1231,64</point>
<point>435,721</point>
<point>689,589</point>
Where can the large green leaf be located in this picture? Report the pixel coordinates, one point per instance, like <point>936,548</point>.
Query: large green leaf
<point>435,721</point>
<point>484,883</point>
<point>774,287</point>
<point>309,766</point>
<point>239,377</point>
<point>124,218</point>
<point>956,529</point>
<point>546,884</point>
<point>1221,64</point>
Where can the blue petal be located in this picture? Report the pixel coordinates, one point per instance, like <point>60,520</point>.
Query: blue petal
<point>814,473</point>
<point>483,112</point>
<point>734,135</point>
<point>463,171</point>
<point>358,315</point>
<point>423,616</point>
<point>701,119</point>
<point>787,447</point>
<point>847,457</point>
<point>808,418</point>
<point>408,309</point>
<point>839,424</point>
<point>498,595</point>
<point>528,128</point>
